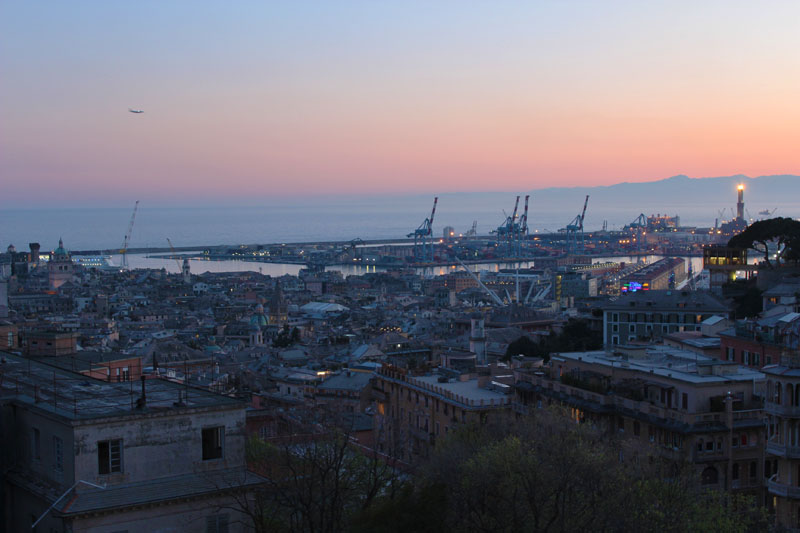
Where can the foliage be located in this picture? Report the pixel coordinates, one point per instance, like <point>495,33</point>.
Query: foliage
<point>773,236</point>
<point>286,337</point>
<point>315,483</point>
<point>547,474</point>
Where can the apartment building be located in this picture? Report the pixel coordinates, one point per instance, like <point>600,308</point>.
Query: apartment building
<point>414,411</point>
<point>83,455</point>
<point>782,407</point>
<point>647,315</point>
<point>687,406</point>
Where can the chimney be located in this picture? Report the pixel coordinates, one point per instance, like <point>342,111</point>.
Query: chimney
<point>141,403</point>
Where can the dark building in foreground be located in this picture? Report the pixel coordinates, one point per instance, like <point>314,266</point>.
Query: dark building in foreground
<point>81,455</point>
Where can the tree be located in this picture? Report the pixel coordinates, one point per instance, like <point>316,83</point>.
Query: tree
<point>545,473</point>
<point>317,481</point>
<point>775,236</point>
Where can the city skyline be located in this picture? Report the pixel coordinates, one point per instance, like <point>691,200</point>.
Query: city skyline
<point>363,98</point>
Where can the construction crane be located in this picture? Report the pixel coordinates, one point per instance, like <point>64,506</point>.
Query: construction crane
<point>127,240</point>
<point>175,256</point>
<point>574,230</point>
<point>423,244</point>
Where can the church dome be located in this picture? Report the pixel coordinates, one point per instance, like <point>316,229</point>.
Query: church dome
<point>61,251</point>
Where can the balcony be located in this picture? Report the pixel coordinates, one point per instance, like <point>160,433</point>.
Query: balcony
<point>783,450</point>
<point>782,410</point>
<point>781,489</point>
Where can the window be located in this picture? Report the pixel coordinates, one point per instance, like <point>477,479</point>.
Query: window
<point>217,523</point>
<point>636,428</point>
<point>752,469</point>
<point>109,456</point>
<point>685,401</point>
<point>735,475</point>
<point>213,441</point>
<point>58,454</point>
<point>731,353</point>
<point>36,445</point>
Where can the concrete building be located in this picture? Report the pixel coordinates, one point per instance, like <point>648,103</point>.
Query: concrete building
<point>647,315</point>
<point>662,275</point>
<point>761,342</point>
<point>82,455</point>
<point>414,411</point>
<point>783,432</point>
<point>687,406</point>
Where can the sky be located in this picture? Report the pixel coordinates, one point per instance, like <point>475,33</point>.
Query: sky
<point>249,100</point>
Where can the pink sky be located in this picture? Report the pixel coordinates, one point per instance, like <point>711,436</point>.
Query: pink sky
<point>396,97</point>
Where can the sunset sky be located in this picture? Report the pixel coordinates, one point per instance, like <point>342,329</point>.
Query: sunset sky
<point>249,99</point>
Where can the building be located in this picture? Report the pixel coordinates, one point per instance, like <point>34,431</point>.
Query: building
<point>782,407</point>
<point>724,264</point>
<point>687,406</point>
<point>60,268</point>
<point>647,315</point>
<point>664,274</point>
<point>414,411</point>
<point>83,455</point>
<point>761,342</point>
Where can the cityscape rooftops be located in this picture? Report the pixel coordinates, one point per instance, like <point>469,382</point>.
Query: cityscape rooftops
<point>667,362</point>
<point>77,397</point>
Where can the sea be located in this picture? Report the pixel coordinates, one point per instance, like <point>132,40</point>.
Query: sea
<point>340,219</point>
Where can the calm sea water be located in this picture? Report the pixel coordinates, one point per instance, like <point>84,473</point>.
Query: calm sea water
<point>379,218</point>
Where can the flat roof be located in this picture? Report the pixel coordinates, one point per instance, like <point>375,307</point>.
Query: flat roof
<point>671,363</point>
<point>74,396</point>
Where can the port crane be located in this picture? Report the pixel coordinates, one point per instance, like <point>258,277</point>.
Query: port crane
<point>508,230</point>
<point>521,229</point>
<point>423,243</point>
<point>638,229</point>
<point>127,240</point>
<point>574,230</point>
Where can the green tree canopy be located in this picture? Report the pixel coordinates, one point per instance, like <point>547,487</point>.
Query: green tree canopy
<point>778,237</point>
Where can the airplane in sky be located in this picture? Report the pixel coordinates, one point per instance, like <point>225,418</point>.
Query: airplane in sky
<point>135,110</point>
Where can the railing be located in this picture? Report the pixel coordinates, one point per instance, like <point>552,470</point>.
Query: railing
<point>782,410</point>
<point>781,489</point>
<point>783,450</point>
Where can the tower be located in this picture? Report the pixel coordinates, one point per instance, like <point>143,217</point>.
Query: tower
<point>60,267</point>
<point>278,310</point>
<point>186,271</point>
<point>477,339</point>
<point>740,203</point>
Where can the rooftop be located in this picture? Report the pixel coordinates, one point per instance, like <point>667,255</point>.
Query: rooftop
<point>672,363</point>
<point>77,397</point>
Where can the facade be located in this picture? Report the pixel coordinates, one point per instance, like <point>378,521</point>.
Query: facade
<point>414,411</point>
<point>723,263</point>
<point>647,315</point>
<point>664,274</point>
<point>684,405</point>
<point>82,455</point>
<point>60,268</point>
<point>783,445</point>
<point>761,342</point>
